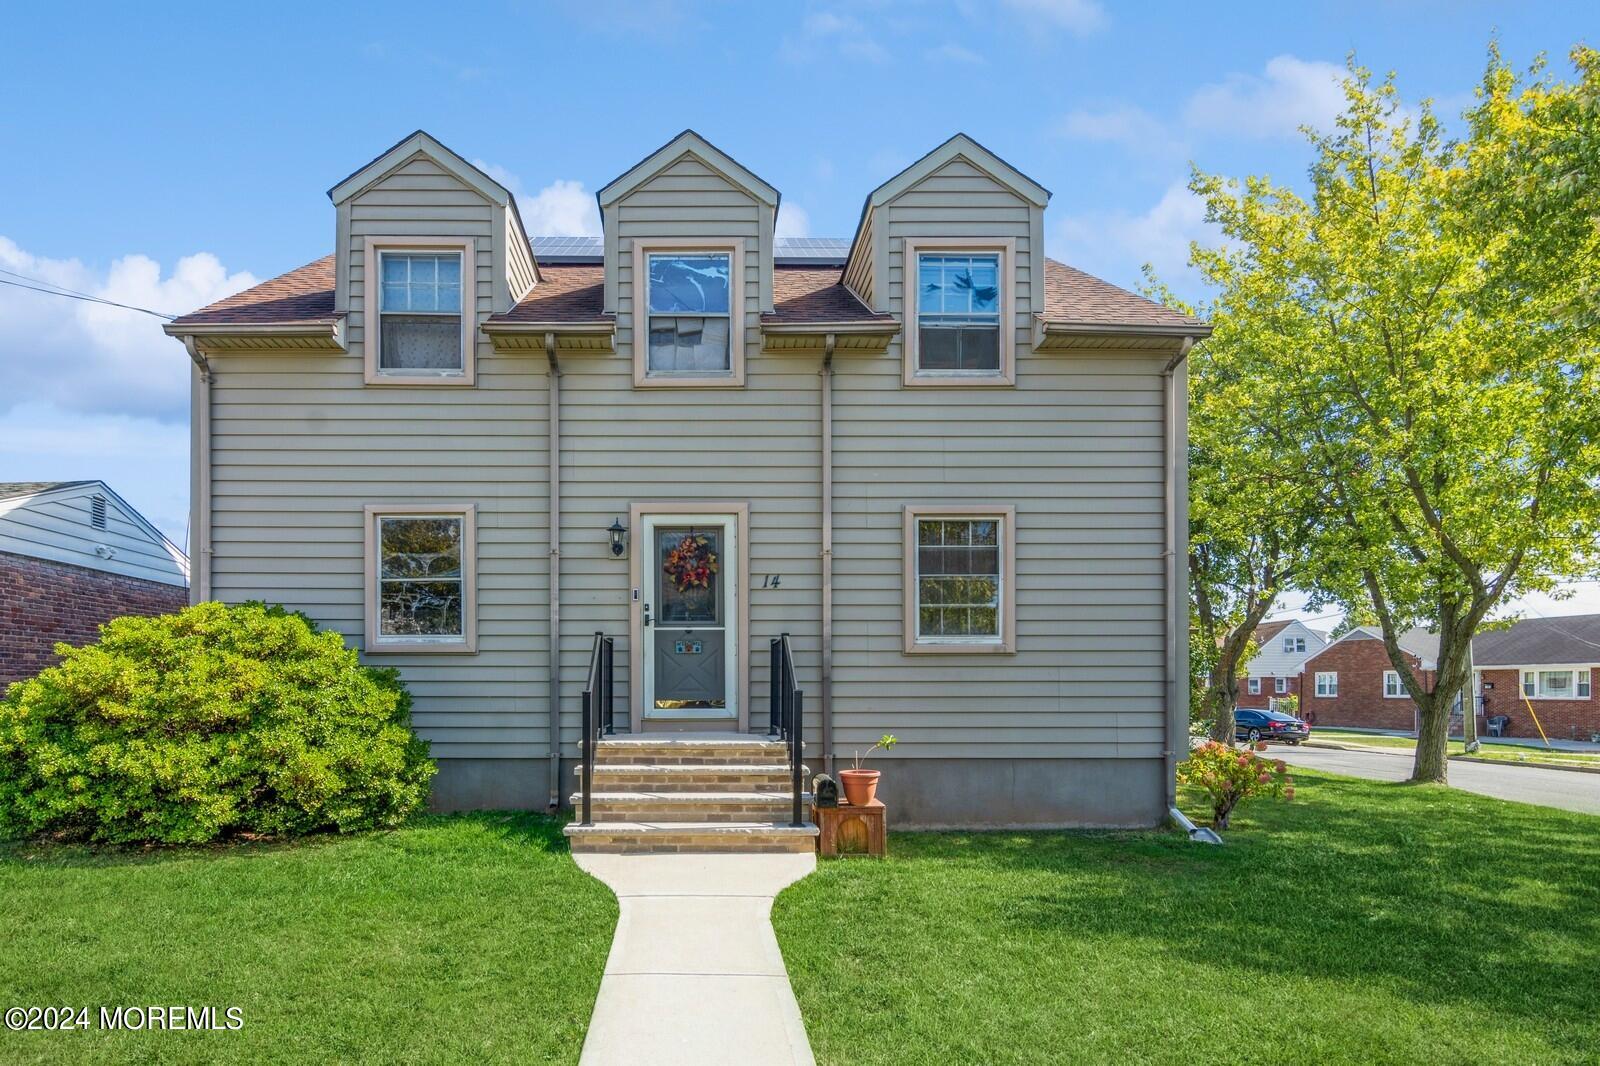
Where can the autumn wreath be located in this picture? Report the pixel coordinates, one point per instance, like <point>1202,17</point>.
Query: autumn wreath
<point>691,563</point>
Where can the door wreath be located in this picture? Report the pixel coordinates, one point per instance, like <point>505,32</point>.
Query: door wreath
<point>691,564</point>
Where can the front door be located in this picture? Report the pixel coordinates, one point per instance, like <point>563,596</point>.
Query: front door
<point>689,639</point>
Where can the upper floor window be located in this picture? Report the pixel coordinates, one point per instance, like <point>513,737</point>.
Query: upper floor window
<point>691,320</point>
<point>1294,644</point>
<point>689,325</point>
<point>958,311</point>
<point>421,332</point>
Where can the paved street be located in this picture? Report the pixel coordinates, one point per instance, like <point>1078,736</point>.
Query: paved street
<point>1549,788</point>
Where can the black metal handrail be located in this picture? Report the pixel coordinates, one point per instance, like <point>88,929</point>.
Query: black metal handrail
<point>786,714</point>
<point>597,713</point>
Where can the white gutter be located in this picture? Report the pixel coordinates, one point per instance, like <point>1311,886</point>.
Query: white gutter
<point>1175,505</point>
<point>826,705</point>
<point>553,697</point>
<point>1196,833</point>
<point>199,474</point>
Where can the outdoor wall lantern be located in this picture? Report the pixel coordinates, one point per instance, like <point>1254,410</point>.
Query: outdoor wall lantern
<point>619,538</point>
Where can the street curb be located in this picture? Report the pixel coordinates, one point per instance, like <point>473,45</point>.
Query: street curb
<point>1408,753</point>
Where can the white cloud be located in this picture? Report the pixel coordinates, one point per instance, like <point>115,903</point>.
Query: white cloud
<point>954,53</point>
<point>1289,93</point>
<point>146,460</point>
<point>1116,244</point>
<point>828,31</point>
<point>792,221</point>
<point>1080,17</point>
<point>1125,124</point>
<point>85,357</point>
<point>560,209</point>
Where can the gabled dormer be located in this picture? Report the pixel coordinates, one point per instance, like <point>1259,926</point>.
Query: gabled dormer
<point>448,245</point>
<point>688,263</point>
<point>953,247</point>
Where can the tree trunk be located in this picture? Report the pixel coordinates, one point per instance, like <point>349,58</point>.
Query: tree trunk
<point>1221,699</point>
<point>1433,738</point>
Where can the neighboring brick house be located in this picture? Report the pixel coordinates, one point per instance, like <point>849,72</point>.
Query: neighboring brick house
<point>1543,668</point>
<point>1274,672</point>
<point>74,554</point>
<point>1352,682</point>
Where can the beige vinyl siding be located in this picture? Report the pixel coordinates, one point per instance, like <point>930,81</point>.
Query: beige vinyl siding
<point>858,271</point>
<point>300,444</point>
<point>520,273</point>
<point>57,526</point>
<point>686,199</point>
<point>1076,447</point>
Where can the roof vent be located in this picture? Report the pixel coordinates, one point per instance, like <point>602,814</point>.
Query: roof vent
<point>97,512</point>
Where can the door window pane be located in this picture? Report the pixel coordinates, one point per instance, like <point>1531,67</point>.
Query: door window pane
<point>958,578</point>
<point>420,579</point>
<point>689,569</point>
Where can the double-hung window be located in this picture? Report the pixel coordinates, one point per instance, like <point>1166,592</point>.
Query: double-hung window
<point>958,300</point>
<point>420,578</point>
<point>1327,684</point>
<point>419,312</point>
<point>1556,684</point>
<point>1392,688</point>
<point>1294,645</point>
<point>1254,686</point>
<point>690,329</point>
<point>960,570</point>
<point>1280,685</point>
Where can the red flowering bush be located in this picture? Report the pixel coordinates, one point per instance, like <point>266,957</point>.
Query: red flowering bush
<point>1231,775</point>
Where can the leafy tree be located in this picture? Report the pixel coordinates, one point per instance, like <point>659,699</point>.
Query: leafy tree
<point>1428,326</point>
<point>1356,614</point>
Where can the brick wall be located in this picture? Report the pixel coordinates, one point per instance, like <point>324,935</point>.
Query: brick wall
<point>1562,719</point>
<point>1360,665</point>
<point>42,602</point>
<point>1269,691</point>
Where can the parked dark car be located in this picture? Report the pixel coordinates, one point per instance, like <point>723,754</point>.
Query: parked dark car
<point>1269,725</point>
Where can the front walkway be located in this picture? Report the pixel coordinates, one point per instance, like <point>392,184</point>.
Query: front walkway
<point>695,975</point>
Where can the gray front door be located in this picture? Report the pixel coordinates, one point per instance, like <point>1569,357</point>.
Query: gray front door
<point>688,639</point>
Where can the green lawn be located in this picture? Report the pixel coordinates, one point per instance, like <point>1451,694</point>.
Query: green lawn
<point>469,938</point>
<point>1363,922</point>
<point>1529,752</point>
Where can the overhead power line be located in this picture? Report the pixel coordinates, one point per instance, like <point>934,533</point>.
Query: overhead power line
<point>51,289</point>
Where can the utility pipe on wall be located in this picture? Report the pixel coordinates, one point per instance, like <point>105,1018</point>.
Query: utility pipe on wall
<point>199,476</point>
<point>1175,501</point>
<point>553,421</point>
<point>826,704</point>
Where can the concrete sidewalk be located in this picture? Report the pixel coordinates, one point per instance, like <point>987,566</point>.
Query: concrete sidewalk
<point>695,975</point>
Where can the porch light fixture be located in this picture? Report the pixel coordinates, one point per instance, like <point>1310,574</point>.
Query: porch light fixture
<point>618,537</point>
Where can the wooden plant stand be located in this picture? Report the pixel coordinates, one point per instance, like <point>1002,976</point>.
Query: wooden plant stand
<point>847,830</point>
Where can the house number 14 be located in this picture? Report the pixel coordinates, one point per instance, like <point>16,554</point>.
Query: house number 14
<point>771,581</point>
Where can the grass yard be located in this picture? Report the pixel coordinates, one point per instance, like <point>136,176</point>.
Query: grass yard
<point>469,938</point>
<point>1532,751</point>
<point>1363,922</point>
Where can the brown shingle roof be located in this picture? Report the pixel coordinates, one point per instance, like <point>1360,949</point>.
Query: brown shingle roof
<point>815,294</point>
<point>566,292</point>
<point>303,296</point>
<point>1072,297</point>
<point>1267,630</point>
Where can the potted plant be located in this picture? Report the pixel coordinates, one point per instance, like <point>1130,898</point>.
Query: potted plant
<point>861,786</point>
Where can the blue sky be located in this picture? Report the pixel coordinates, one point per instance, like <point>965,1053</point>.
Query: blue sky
<point>175,153</point>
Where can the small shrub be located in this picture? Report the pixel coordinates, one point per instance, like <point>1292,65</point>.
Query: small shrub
<point>216,720</point>
<point>1230,776</point>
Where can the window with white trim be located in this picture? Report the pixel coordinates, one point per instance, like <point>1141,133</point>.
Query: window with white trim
<point>1280,685</point>
<point>1254,686</point>
<point>689,298</point>
<point>420,577</point>
<point>1327,684</point>
<point>1556,684</point>
<point>1294,645</point>
<point>1392,688</point>
<point>419,307</point>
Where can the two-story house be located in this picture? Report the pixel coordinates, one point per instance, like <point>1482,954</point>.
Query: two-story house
<point>950,468</point>
<point>1273,673</point>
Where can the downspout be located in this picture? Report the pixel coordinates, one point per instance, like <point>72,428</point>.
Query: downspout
<point>1175,500</point>
<point>553,698</point>
<point>200,475</point>
<point>826,705</point>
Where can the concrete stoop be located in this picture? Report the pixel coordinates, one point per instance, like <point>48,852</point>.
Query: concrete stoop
<point>690,792</point>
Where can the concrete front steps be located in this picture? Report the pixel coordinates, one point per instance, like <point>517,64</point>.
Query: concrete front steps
<point>690,792</point>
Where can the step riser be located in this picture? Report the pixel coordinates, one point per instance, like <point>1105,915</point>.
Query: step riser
<point>627,779</point>
<point>663,843</point>
<point>608,811</point>
<point>634,756</point>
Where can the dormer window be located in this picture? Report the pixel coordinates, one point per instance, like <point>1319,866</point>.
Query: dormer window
<point>421,331</point>
<point>958,315</point>
<point>690,326</point>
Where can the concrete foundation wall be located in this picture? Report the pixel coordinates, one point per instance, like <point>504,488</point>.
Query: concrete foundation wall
<point>496,784</point>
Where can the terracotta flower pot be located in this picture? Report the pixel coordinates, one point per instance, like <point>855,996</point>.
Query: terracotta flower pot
<point>860,786</point>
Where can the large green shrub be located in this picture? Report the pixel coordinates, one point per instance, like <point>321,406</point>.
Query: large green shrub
<point>213,721</point>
